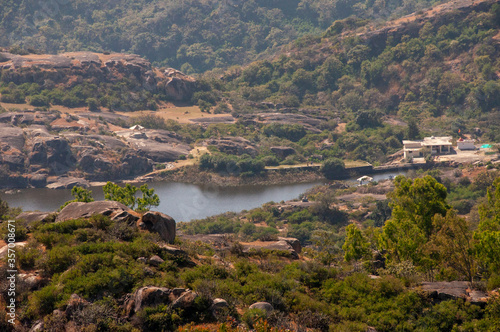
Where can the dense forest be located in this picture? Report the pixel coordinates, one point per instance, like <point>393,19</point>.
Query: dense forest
<point>193,35</point>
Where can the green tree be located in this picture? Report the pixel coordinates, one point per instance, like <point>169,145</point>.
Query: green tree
<point>412,132</point>
<point>333,168</point>
<point>414,203</point>
<point>4,209</point>
<point>488,233</point>
<point>126,195</point>
<point>356,245</point>
<point>93,104</point>
<point>325,246</point>
<point>453,244</point>
<point>80,194</point>
<point>148,199</point>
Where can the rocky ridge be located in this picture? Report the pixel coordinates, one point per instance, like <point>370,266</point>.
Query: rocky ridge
<point>70,69</point>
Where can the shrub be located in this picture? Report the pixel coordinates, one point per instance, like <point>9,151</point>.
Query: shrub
<point>333,168</point>
<point>28,255</point>
<point>44,301</point>
<point>252,316</point>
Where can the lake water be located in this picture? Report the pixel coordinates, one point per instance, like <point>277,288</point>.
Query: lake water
<point>182,201</point>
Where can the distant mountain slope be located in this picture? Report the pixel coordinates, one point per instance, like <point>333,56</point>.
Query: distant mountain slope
<point>197,35</point>
<point>441,63</point>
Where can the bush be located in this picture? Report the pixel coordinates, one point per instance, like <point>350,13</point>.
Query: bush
<point>44,301</point>
<point>252,316</point>
<point>333,168</point>
<point>39,100</point>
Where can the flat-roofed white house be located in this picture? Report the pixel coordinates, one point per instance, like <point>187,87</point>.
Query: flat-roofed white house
<point>432,145</point>
<point>466,144</point>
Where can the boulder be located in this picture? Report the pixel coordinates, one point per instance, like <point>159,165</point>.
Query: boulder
<point>152,296</point>
<point>156,260</point>
<point>218,304</point>
<point>68,182</point>
<point>264,306</point>
<point>31,217</point>
<point>32,281</point>
<point>159,223</point>
<point>133,164</point>
<point>142,260</point>
<point>116,211</point>
<point>15,162</point>
<point>185,301</point>
<point>295,243</point>
<point>146,297</point>
<point>444,290</point>
<point>173,251</point>
<point>37,326</point>
<point>271,245</point>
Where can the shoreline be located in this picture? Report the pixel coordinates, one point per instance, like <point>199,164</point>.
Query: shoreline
<point>191,175</point>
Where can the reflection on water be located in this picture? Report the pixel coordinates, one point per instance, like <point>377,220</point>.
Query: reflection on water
<point>182,201</point>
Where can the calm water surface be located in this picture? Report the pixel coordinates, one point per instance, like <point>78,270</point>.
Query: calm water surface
<point>182,201</point>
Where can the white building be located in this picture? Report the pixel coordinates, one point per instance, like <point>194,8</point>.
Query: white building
<point>432,145</point>
<point>466,144</point>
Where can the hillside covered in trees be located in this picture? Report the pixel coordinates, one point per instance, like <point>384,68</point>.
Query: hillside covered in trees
<point>192,36</point>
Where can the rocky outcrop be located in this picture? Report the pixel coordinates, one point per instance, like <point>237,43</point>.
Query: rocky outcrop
<point>52,152</point>
<point>233,145</point>
<point>116,211</point>
<point>153,296</point>
<point>444,290</point>
<point>31,217</point>
<point>271,245</point>
<point>69,69</point>
<point>156,260</point>
<point>67,182</point>
<point>32,281</point>
<point>295,243</point>
<point>146,297</point>
<point>159,223</point>
<point>158,145</point>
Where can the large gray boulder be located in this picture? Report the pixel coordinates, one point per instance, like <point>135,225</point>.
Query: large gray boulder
<point>264,306</point>
<point>295,243</point>
<point>159,223</point>
<point>31,217</point>
<point>146,297</point>
<point>116,211</point>
<point>153,296</point>
<point>186,300</point>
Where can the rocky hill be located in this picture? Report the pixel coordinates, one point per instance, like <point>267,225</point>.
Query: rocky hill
<point>68,70</point>
<point>34,151</point>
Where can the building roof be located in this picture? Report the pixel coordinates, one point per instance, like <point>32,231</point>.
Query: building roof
<point>430,141</point>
